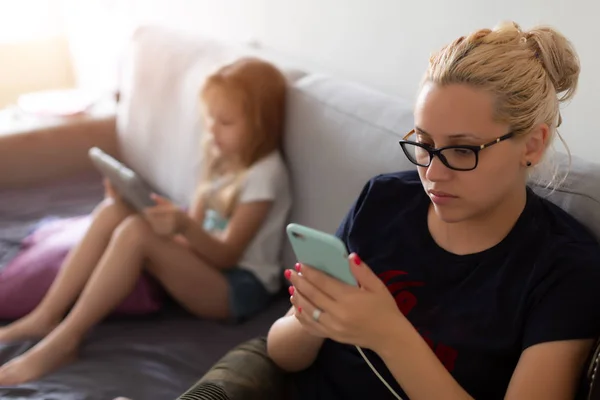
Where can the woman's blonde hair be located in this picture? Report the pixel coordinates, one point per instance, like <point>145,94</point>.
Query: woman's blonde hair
<point>260,88</point>
<point>528,73</point>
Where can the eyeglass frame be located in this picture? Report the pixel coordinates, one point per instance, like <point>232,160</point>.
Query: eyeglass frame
<point>438,152</point>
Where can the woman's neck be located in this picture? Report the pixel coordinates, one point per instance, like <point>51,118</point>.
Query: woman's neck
<point>480,233</point>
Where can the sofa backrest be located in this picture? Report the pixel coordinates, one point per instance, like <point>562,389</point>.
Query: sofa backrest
<point>338,134</point>
<point>158,121</point>
<point>578,194</point>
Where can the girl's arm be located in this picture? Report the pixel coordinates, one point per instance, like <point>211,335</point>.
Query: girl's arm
<point>290,346</point>
<point>197,211</point>
<point>226,250</point>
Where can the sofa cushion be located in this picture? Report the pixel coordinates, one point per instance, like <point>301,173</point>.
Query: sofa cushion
<point>578,193</point>
<point>26,279</point>
<point>339,135</point>
<point>158,119</point>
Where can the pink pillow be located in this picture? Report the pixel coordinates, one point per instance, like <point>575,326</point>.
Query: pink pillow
<point>27,278</point>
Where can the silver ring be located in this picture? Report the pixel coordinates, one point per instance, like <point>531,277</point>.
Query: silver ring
<point>316,314</point>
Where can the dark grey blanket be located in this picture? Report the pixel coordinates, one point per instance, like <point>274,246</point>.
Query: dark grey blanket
<point>151,358</point>
<point>154,357</point>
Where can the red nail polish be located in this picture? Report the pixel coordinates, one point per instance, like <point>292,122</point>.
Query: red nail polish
<point>287,274</point>
<point>291,290</point>
<point>299,310</point>
<point>357,260</point>
<point>298,267</point>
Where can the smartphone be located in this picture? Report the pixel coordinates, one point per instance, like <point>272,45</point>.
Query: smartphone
<point>322,251</point>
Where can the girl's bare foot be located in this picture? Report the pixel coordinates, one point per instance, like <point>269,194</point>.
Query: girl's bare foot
<point>47,356</point>
<point>31,326</point>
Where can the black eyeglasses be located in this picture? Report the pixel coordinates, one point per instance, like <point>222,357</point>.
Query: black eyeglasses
<point>458,158</point>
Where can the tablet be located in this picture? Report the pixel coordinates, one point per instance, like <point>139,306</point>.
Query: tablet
<point>129,185</point>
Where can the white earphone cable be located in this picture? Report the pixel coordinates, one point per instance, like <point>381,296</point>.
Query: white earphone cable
<point>387,385</point>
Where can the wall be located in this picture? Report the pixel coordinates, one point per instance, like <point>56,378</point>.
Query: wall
<point>386,43</point>
<point>34,52</point>
<point>33,65</point>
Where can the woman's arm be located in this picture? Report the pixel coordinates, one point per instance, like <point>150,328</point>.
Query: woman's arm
<point>549,370</point>
<point>226,250</point>
<point>545,371</point>
<point>290,346</point>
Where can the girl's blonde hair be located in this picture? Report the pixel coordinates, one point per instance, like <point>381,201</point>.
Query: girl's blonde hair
<point>528,73</point>
<point>260,89</point>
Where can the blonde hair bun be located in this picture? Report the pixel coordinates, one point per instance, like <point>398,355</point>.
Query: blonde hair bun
<point>555,52</point>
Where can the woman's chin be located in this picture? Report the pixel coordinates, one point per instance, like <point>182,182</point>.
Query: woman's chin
<point>449,215</point>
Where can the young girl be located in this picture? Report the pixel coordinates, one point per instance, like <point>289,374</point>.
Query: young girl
<point>220,261</point>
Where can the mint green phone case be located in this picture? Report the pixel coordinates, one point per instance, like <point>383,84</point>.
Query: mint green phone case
<point>322,251</point>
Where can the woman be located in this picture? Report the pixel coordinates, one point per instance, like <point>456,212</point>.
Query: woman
<point>472,286</point>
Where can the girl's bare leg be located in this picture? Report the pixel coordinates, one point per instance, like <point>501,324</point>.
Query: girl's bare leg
<point>73,275</point>
<point>197,286</point>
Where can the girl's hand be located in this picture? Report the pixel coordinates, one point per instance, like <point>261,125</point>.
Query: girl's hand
<point>109,191</point>
<point>365,316</point>
<point>165,218</point>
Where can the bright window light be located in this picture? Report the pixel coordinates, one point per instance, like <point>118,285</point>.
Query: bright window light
<point>25,20</point>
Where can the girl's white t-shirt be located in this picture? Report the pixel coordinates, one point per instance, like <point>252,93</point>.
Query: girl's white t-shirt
<point>266,180</point>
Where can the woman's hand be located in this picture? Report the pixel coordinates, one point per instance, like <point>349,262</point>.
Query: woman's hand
<point>366,316</point>
<point>165,218</point>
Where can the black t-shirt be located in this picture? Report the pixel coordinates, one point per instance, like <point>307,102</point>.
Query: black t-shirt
<point>477,312</point>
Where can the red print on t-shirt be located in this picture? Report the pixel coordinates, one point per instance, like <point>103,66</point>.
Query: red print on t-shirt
<point>396,282</point>
<point>405,300</point>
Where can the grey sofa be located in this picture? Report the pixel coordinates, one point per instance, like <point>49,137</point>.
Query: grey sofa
<point>338,135</point>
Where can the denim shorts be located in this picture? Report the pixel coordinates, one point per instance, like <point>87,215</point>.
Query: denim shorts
<point>247,295</point>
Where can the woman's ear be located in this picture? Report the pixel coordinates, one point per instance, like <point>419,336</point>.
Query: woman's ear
<point>536,144</point>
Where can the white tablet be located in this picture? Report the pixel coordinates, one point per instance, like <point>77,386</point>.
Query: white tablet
<point>129,185</point>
